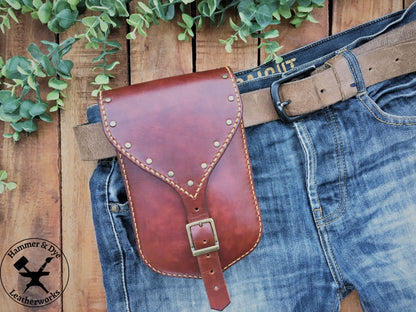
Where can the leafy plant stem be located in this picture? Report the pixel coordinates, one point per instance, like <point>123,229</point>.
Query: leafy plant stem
<point>21,102</point>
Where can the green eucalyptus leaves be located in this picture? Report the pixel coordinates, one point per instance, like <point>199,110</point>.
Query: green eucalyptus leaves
<point>21,103</point>
<point>4,185</point>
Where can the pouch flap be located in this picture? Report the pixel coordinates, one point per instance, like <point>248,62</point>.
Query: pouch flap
<point>175,128</point>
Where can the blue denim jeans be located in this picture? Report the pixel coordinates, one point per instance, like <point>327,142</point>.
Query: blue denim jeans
<point>337,192</point>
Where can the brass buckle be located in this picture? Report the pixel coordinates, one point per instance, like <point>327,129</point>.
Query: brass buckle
<point>198,252</point>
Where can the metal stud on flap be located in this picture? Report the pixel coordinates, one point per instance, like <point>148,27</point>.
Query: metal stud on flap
<point>127,145</point>
<point>149,161</point>
<point>190,183</point>
<point>107,100</point>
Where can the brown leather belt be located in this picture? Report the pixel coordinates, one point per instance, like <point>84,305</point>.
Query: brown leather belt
<point>383,58</point>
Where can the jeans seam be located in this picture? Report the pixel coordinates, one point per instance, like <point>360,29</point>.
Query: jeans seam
<point>342,190</point>
<point>337,303</point>
<point>351,67</point>
<point>335,262</point>
<point>123,279</point>
<point>331,261</point>
<point>327,258</point>
<point>310,169</point>
<point>356,71</point>
<point>404,123</point>
<point>338,163</point>
<point>322,232</point>
<point>322,221</point>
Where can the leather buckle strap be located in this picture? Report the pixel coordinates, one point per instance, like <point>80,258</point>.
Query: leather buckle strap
<point>274,91</point>
<point>214,281</point>
<point>204,243</point>
<point>203,240</point>
<point>332,83</point>
<point>195,228</point>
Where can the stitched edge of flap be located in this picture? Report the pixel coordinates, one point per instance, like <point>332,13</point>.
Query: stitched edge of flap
<point>143,165</point>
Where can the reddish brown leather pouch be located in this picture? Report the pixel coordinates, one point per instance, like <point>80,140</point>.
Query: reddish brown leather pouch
<point>182,152</point>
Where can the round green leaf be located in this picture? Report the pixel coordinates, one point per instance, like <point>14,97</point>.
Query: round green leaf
<point>11,186</point>
<point>57,84</point>
<point>46,117</point>
<point>14,4</point>
<point>102,79</point>
<point>189,21</point>
<point>171,12</point>
<point>67,18</point>
<point>53,95</point>
<point>10,105</point>
<point>25,107</point>
<point>38,109</point>
<point>45,12</point>
<point>131,36</point>
<point>64,68</point>
<point>9,117</point>
<point>13,67</point>
<point>182,37</point>
<point>16,136</point>
<point>29,125</point>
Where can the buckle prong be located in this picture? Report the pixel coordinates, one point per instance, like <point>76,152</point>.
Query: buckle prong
<point>280,106</point>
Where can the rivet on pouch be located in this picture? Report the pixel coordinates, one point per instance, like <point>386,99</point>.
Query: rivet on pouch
<point>204,166</point>
<point>113,124</point>
<point>224,76</point>
<point>149,161</point>
<point>127,145</point>
<point>231,98</point>
<point>229,122</point>
<point>216,144</point>
<point>190,183</point>
<point>171,174</point>
<point>107,100</point>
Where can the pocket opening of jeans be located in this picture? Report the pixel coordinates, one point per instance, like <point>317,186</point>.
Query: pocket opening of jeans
<point>116,192</point>
<point>393,101</point>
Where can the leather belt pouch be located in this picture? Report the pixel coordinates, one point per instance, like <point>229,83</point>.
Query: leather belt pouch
<point>182,152</point>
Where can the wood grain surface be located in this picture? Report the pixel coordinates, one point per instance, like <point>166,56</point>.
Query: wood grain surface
<point>52,200</point>
<point>34,208</point>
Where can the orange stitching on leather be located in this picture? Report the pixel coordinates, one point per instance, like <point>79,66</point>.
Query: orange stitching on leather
<point>163,177</point>
<point>131,201</point>
<point>253,196</point>
<point>136,229</point>
<point>227,139</point>
<point>213,162</point>
<point>133,158</point>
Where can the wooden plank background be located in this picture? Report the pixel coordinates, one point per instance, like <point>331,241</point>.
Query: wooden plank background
<point>52,198</point>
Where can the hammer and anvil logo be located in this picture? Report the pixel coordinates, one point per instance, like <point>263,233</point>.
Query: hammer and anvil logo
<point>34,272</point>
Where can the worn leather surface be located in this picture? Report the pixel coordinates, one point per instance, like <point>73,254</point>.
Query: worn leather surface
<point>183,155</point>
